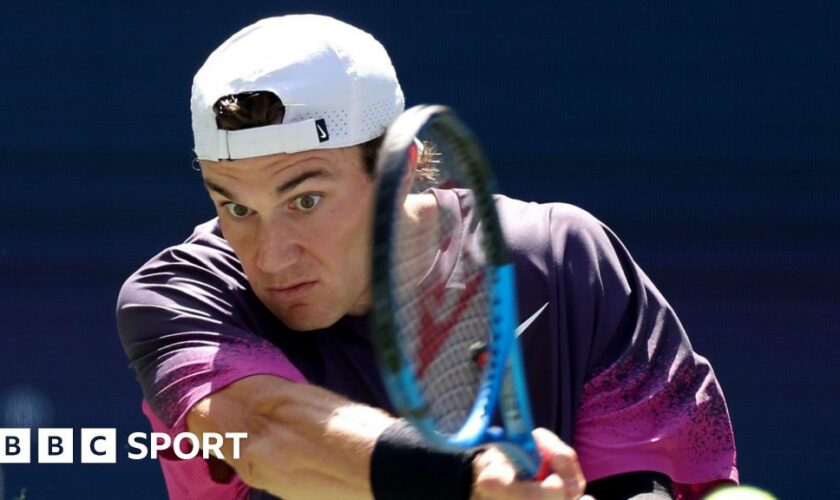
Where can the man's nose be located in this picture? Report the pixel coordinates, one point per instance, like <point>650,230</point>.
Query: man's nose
<point>278,247</point>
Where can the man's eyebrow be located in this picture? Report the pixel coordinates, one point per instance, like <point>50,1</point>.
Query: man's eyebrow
<point>299,179</point>
<point>219,189</point>
<point>286,186</point>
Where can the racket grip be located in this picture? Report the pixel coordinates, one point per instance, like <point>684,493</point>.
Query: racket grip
<point>544,470</point>
<point>528,461</point>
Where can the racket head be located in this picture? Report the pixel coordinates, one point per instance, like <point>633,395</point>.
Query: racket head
<point>444,303</point>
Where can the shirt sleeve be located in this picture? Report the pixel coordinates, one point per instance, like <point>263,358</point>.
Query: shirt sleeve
<point>648,401</point>
<point>186,320</point>
<point>190,479</point>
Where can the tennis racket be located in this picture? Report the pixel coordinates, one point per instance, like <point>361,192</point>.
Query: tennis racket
<point>444,295</point>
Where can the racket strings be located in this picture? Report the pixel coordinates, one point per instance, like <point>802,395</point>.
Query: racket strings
<point>443,298</point>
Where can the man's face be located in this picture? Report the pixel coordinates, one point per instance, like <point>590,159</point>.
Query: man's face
<point>300,225</point>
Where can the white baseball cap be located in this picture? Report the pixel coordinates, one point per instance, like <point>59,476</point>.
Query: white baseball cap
<point>336,82</point>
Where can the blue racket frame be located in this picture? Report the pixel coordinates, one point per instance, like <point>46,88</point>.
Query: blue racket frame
<point>504,380</point>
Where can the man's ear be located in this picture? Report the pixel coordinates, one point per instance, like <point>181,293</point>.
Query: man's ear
<point>415,151</point>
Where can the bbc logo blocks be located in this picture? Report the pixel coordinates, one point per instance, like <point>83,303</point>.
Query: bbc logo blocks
<point>99,446</point>
<point>14,446</point>
<point>55,446</point>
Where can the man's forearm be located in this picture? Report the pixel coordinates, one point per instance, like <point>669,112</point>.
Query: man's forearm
<point>303,441</point>
<point>307,442</point>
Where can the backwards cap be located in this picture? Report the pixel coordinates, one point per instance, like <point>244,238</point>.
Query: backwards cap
<point>336,82</point>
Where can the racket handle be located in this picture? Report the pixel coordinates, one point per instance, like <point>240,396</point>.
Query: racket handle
<point>526,459</point>
<point>544,470</point>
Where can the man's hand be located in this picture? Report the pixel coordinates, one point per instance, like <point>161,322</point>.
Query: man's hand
<point>496,477</point>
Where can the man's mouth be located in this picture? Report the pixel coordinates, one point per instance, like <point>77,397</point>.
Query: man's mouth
<point>292,291</point>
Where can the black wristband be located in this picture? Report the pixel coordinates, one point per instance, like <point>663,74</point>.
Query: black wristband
<point>405,467</point>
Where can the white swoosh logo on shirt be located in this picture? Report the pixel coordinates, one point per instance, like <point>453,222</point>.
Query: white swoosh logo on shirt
<point>525,324</point>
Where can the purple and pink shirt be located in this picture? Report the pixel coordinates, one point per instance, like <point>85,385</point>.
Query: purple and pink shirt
<point>609,366</point>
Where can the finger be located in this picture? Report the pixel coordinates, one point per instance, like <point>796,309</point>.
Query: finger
<point>549,489</point>
<point>569,471</point>
<point>495,470</point>
<point>563,460</point>
<point>491,474</point>
<point>497,481</point>
<point>496,476</point>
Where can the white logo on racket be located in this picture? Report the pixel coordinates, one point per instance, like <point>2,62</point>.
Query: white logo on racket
<point>478,350</point>
<point>525,324</point>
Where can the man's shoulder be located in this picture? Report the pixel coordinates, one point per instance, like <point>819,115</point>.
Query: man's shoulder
<point>205,247</point>
<point>207,235</point>
<point>204,258</point>
<point>528,224</point>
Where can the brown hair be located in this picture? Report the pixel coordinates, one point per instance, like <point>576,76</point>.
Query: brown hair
<point>260,108</point>
<point>256,109</point>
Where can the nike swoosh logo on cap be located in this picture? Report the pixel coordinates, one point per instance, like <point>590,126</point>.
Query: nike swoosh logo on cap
<point>321,132</point>
<point>525,324</point>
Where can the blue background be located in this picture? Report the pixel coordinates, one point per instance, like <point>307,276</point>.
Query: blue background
<point>706,134</point>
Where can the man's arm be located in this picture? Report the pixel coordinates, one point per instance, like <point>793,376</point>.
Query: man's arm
<point>306,442</point>
<point>303,441</point>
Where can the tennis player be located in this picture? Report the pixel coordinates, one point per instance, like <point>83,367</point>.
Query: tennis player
<point>258,322</point>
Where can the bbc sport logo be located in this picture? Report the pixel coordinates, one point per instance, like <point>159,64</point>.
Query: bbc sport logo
<point>99,446</point>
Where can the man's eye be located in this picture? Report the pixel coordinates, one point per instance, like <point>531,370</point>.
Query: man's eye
<point>306,202</point>
<point>237,211</point>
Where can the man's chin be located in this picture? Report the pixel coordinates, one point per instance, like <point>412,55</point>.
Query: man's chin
<point>303,318</point>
